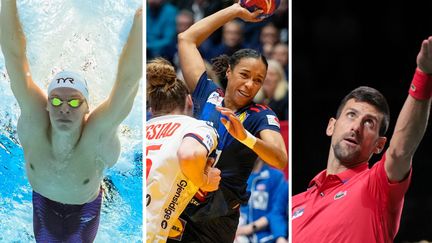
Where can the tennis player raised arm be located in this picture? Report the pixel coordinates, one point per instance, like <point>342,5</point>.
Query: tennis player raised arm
<point>31,99</point>
<point>114,110</point>
<point>412,121</point>
<point>270,145</point>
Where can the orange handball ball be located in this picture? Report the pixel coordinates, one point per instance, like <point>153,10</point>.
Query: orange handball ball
<point>267,6</point>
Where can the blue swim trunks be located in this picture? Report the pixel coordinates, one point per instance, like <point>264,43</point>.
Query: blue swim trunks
<point>58,222</point>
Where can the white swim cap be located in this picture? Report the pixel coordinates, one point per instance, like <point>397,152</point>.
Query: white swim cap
<point>68,79</point>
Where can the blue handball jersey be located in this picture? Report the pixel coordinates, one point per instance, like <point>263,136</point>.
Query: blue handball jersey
<point>236,160</point>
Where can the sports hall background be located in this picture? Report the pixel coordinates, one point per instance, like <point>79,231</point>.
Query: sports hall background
<point>340,45</point>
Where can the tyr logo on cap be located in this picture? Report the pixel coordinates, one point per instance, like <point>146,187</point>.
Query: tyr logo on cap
<point>68,79</point>
<point>71,80</point>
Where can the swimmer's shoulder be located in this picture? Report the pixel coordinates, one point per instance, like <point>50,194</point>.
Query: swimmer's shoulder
<point>30,134</point>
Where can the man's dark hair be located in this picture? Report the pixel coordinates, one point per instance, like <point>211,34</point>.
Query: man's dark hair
<point>372,97</point>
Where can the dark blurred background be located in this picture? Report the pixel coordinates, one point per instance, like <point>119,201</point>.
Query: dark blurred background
<point>338,46</point>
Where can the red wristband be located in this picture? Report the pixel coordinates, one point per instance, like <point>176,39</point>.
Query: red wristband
<point>421,86</point>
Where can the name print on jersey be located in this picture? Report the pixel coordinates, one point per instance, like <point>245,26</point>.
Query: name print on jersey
<point>161,130</point>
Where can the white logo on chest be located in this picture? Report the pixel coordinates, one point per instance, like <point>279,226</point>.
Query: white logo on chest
<point>298,212</point>
<point>340,195</point>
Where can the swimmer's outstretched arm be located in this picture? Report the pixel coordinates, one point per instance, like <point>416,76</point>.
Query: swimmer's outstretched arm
<point>411,123</point>
<point>270,146</point>
<point>191,62</point>
<point>120,101</point>
<point>31,99</point>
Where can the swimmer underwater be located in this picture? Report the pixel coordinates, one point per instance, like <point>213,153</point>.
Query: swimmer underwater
<point>67,147</point>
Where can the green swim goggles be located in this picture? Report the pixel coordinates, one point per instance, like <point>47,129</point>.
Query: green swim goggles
<point>73,103</point>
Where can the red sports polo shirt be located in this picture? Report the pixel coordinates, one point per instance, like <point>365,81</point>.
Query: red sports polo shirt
<point>357,205</point>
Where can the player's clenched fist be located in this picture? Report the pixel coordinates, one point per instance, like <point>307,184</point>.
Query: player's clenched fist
<point>213,179</point>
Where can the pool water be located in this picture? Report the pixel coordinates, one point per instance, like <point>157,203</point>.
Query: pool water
<point>85,36</point>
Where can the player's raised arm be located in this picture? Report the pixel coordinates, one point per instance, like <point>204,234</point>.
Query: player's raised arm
<point>120,101</point>
<point>31,98</point>
<point>191,62</point>
<point>412,121</point>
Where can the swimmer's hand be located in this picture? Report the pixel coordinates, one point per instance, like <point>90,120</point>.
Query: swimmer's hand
<point>245,15</point>
<point>138,14</point>
<point>233,124</point>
